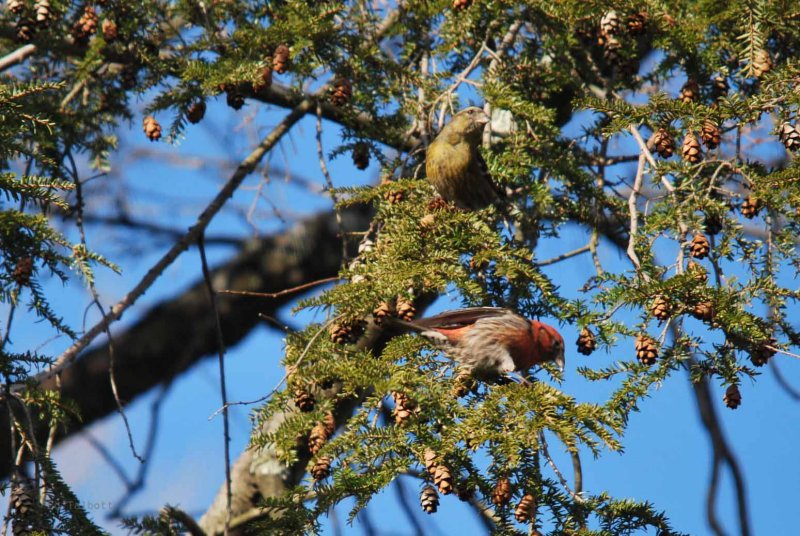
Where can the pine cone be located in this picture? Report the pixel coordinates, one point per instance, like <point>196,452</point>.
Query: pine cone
<point>663,142</point>
<point>436,204</point>
<point>86,25</point>
<point>280,59</point>
<point>429,460</point>
<point>704,311</point>
<point>691,149</point>
<point>720,86</point>
<point>196,112</point>
<point>501,493</point>
<point>26,518</point>
<point>699,248</point>
<point>109,28</point>
<point>429,499</point>
<point>361,155</point>
<point>304,400</point>
<point>381,312</point>
<point>750,207</point>
<point>712,223</point>
<point>761,354</point>
<point>25,30</point>
<point>465,491</point>
<point>637,22</point>
<point>789,136</point>
<point>611,48</point>
<point>690,92</point>
<point>697,272</point>
<point>42,10</point>
<point>393,196</point>
<point>460,5</point>
<point>151,128</point>
<point>732,398</point>
<point>762,63</point>
<point>710,134</point>
<point>405,309</point>
<point>346,332</point>
<point>341,92</point>
<point>263,81</point>
<point>525,509</point>
<point>129,76</point>
<point>646,349</point>
<point>322,468</point>
<point>321,432</point>
<point>660,308</point>
<point>463,384</point>
<point>234,99</point>
<point>586,342</point>
<point>15,6</point>
<point>610,24</point>
<point>443,479</point>
<point>404,408</point>
<point>23,271</point>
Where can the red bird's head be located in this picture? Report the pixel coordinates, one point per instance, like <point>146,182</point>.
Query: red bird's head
<point>549,343</point>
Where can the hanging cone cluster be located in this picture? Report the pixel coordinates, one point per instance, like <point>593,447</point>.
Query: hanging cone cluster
<point>710,134</point>
<point>304,400</point>
<point>663,142</point>
<point>429,500</point>
<point>442,477</point>
<point>697,272</point>
<point>321,432</point>
<point>732,398</point>
<point>762,63</point>
<point>151,128</point>
<point>460,5</point>
<point>699,247</point>
<point>361,155</point>
<point>501,493</point>
<point>586,342</point>
<point>405,309</point>
<point>280,59</point>
<point>404,408</point>
<point>525,509</point>
<point>109,29</point>
<point>750,207</point>
<point>463,384</point>
<point>760,355</point>
<point>341,92</point>
<point>321,468</point>
<point>346,332</point>
<point>690,92</point>
<point>196,112</point>
<point>42,12</point>
<point>704,311</point>
<point>789,136</point>
<point>691,151</point>
<point>86,25</point>
<point>660,308</point>
<point>22,271</point>
<point>646,349</point>
<point>264,80</point>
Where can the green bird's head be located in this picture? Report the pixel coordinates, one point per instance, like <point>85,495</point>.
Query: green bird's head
<point>467,124</point>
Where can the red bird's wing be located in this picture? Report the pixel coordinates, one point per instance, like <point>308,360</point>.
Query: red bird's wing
<point>461,317</point>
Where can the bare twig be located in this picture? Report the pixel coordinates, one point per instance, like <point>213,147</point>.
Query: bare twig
<point>284,292</point>
<point>634,213</point>
<point>18,56</point>
<point>323,166</point>
<point>555,469</point>
<point>564,256</point>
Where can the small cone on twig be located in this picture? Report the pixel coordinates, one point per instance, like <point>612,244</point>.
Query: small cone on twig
<point>762,63</point>
<point>280,59</point>
<point>25,30</point>
<point>429,499</point>
<point>465,491</point>
<point>405,309</point>
<point>697,272</point>
<point>22,271</point>
<point>443,479</point>
<point>463,384</point>
<point>720,86</point>
<point>691,150</point>
<point>436,204</point>
<point>761,354</point>
<point>710,134</point>
<point>732,398</point>
<point>392,196</point>
<point>789,136</point>
<point>663,142</point>
<point>361,155</point>
<point>586,341</point>
<point>750,207</point>
<point>380,313</point>
<point>152,129</point>
<point>660,308</point>
<point>15,6</point>
<point>345,332</point>
<point>196,112</point>
<point>304,400</point>
<point>234,99</point>
<point>704,311</point>
<point>699,247</point>
<point>525,509</point>
<point>712,223</point>
<point>86,26</point>
<point>637,22</point>
<point>501,493</point>
<point>610,24</point>
<point>42,11</point>
<point>460,5</point>
<point>109,29</point>
<point>690,92</point>
<point>341,92</point>
<point>321,432</point>
<point>404,408</point>
<point>429,460</point>
<point>264,80</point>
<point>322,468</point>
<point>646,349</point>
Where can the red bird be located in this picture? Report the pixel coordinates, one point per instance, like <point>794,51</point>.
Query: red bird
<point>492,341</point>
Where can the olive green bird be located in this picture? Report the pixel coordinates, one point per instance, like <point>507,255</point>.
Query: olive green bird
<point>454,165</point>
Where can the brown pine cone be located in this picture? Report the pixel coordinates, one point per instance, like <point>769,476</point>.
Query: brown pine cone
<point>151,128</point>
<point>611,50</point>
<point>501,493</point>
<point>321,432</point>
<point>637,22</point>
<point>699,248</point>
<point>525,509</point>
<point>429,460</point>
<point>26,519</point>
<point>304,400</point>
<point>732,398</point>
<point>663,142</point>
<point>346,332</point>
<point>341,91</point>
<point>691,151</point>
<point>762,353</point>
<point>383,310</point>
<point>690,92</point>
<point>322,468</point>
<point>22,271</point>
<point>405,309</point>
<point>460,5</point>
<point>710,134</point>
<point>436,204</point>
<point>263,81</point>
<point>86,25</point>
<point>610,24</point>
<point>443,479</point>
<point>789,136</point>
<point>404,408</point>
<point>392,196</point>
<point>109,29</point>
<point>15,6</point>
<point>720,86</point>
<point>196,112</point>
<point>24,30</point>
<point>697,271</point>
<point>42,11</point>
<point>586,342</point>
<point>234,99</point>
<point>762,63</point>
<point>712,223</point>
<point>429,499</point>
<point>280,59</point>
<point>660,308</point>
<point>646,349</point>
<point>463,384</point>
<point>361,155</point>
<point>704,311</point>
<point>465,491</point>
<point>750,207</point>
